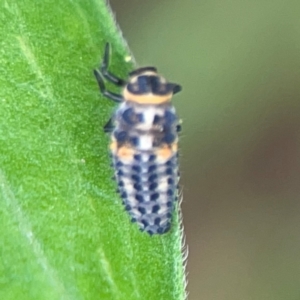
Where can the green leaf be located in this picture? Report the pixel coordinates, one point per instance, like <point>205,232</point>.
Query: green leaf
<point>64,233</point>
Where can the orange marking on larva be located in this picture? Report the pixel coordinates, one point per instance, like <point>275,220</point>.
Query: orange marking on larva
<point>165,152</point>
<point>146,98</point>
<point>125,153</point>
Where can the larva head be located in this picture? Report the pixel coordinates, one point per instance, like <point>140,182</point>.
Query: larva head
<point>145,86</point>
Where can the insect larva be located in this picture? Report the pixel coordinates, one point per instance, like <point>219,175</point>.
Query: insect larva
<point>144,135</point>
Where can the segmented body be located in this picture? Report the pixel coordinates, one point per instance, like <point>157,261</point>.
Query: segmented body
<point>144,137</point>
<point>144,151</point>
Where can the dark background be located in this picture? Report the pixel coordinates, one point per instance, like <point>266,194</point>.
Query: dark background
<point>239,64</point>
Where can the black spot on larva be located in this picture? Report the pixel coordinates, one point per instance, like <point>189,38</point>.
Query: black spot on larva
<point>157,86</point>
<point>120,173</point>
<point>152,168</point>
<point>133,220</point>
<point>157,119</point>
<point>137,157</point>
<point>142,210</point>
<point>119,164</point>
<point>153,186</point>
<point>152,157</point>
<point>139,198</point>
<point>138,186</point>
<point>129,117</point>
<point>169,215</point>
<point>127,207</point>
<point>145,223</point>
<point>155,208</point>
<point>170,193</point>
<point>164,229</point>
<point>170,163</point>
<point>136,169</point>
<point>143,83</point>
<point>160,230</point>
<point>124,195</point>
<point>150,232</point>
<point>134,141</point>
<point>152,177</point>
<point>169,118</point>
<point>154,196</point>
<point>169,204</point>
<point>136,178</point>
<point>169,138</point>
<point>157,221</point>
<point>170,181</point>
<point>140,118</point>
<point>169,171</point>
<point>121,136</point>
<point>121,183</point>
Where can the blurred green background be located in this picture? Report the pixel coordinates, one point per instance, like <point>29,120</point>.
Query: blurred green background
<point>239,64</point>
